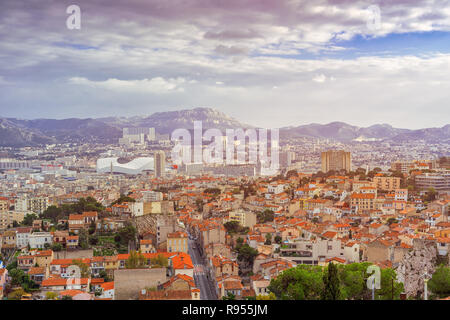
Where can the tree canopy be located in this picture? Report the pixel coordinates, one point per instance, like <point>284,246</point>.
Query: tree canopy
<point>136,260</point>
<point>265,216</point>
<point>55,213</point>
<point>439,283</point>
<point>123,198</point>
<point>306,282</point>
<point>332,286</point>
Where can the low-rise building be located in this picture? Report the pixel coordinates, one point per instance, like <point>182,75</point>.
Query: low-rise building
<point>39,240</point>
<point>177,242</point>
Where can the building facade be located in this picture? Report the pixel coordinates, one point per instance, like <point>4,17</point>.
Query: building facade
<point>336,160</point>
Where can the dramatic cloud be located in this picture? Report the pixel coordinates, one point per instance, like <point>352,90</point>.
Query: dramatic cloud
<point>269,63</point>
<point>155,85</point>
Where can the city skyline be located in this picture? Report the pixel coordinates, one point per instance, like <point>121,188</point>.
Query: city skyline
<point>315,62</point>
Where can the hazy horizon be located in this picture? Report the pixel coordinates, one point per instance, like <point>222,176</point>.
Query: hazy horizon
<point>186,108</point>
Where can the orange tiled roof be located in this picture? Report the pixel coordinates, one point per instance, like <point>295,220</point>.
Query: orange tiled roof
<point>107,286</point>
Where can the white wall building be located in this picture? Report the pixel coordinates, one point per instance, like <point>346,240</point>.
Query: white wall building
<point>38,240</point>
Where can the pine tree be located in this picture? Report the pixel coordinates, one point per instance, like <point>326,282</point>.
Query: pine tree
<point>332,287</point>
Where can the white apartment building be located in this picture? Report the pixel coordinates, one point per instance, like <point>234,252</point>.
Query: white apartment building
<point>23,237</point>
<point>315,252</point>
<point>35,204</point>
<point>149,196</point>
<point>401,195</point>
<point>275,188</point>
<point>38,240</point>
<point>21,205</point>
<point>136,208</point>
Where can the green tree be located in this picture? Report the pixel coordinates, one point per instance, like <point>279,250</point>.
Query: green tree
<point>51,295</point>
<point>430,195</point>
<point>268,239</point>
<point>29,218</point>
<point>83,239</point>
<point>123,198</point>
<point>391,221</point>
<point>57,247</point>
<point>160,261</point>
<point>291,173</point>
<point>300,283</point>
<point>389,287</point>
<point>353,279</point>
<point>332,284</point>
<point>270,296</point>
<point>127,233</point>
<point>87,204</point>
<point>246,253</point>
<point>278,239</point>
<point>229,296</point>
<point>104,275</point>
<point>92,227</point>
<point>439,283</point>
<point>136,260</point>
<point>232,226</point>
<point>265,216</point>
<point>53,213</point>
<point>213,191</point>
<point>16,294</point>
<point>19,278</point>
<point>93,240</point>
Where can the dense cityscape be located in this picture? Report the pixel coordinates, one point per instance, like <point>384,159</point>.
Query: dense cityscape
<point>211,158</point>
<point>123,221</point>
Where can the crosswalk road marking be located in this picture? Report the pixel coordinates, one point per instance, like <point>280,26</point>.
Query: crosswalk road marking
<point>198,269</point>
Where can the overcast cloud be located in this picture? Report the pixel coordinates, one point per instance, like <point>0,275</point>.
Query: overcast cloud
<point>267,63</point>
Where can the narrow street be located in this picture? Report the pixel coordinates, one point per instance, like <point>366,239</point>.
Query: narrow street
<point>201,277</point>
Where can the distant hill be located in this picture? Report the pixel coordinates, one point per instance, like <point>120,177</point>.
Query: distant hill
<point>167,122</point>
<point>15,135</point>
<point>43,131</point>
<point>344,132</point>
<point>19,133</point>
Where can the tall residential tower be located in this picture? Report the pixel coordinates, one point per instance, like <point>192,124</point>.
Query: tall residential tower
<point>336,160</point>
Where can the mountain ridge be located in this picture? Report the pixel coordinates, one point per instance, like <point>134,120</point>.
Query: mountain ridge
<point>20,132</point>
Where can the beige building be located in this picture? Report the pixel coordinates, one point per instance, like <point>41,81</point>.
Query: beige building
<point>177,242</point>
<point>245,218</point>
<point>4,205</point>
<point>160,163</point>
<point>129,283</point>
<point>146,246</point>
<point>386,183</point>
<point>336,160</point>
<point>361,202</point>
<point>7,218</point>
<point>35,204</point>
<point>382,250</point>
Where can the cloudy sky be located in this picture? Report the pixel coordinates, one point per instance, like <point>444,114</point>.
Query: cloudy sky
<point>269,63</point>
